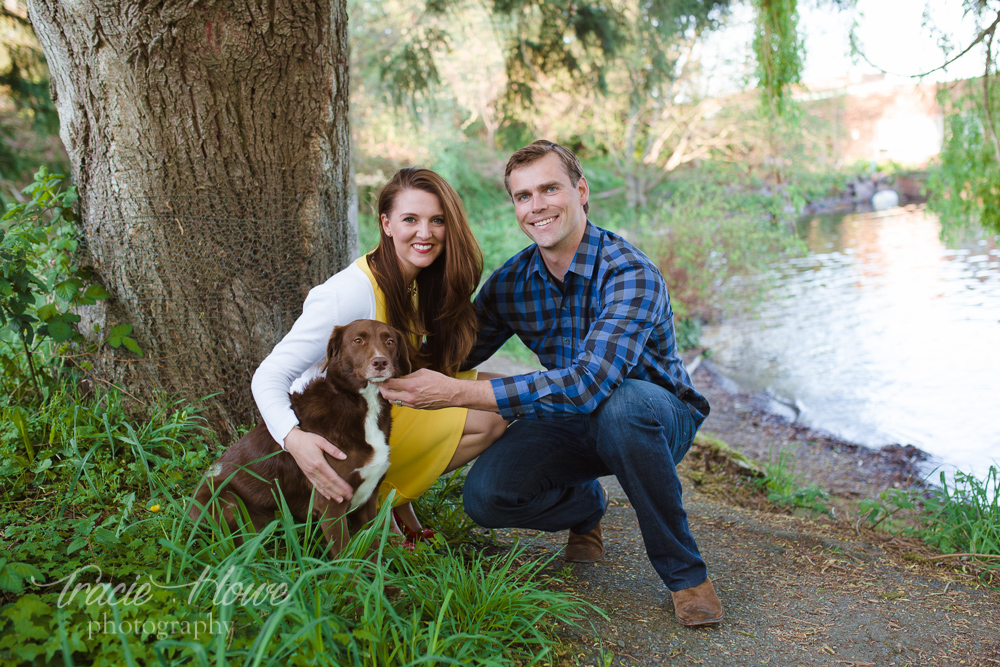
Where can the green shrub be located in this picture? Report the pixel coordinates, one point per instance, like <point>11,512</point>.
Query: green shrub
<point>688,332</point>
<point>964,515</point>
<point>41,286</point>
<point>714,245</point>
<point>442,506</point>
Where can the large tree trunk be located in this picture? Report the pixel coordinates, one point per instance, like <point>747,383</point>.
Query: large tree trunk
<point>210,144</point>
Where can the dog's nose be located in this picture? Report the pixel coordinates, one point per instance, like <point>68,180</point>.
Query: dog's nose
<point>380,363</point>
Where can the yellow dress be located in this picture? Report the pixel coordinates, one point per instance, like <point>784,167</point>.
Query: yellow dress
<point>422,442</point>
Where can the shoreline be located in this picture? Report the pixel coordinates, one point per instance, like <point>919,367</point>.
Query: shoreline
<point>747,423</point>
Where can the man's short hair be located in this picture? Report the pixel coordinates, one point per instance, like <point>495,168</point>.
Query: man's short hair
<point>536,150</point>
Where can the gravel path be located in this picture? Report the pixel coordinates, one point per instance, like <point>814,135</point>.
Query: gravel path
<point>797,591</point>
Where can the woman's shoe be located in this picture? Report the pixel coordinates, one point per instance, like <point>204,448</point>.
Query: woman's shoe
<point>411,535</point>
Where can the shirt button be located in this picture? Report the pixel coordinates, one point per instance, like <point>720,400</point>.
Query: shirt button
<point>566,341</point>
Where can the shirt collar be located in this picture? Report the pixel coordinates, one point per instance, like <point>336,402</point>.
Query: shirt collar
<point>586,254</point>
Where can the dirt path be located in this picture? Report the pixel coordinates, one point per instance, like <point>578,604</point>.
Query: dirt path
<point>796,591</point>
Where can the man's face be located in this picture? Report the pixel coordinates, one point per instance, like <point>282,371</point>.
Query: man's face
<point>549,208</point>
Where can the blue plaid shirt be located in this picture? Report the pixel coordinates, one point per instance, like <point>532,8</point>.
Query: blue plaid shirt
<point>611,321</point>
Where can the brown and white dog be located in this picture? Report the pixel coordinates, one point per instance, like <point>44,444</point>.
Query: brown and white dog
<point>346,408</point>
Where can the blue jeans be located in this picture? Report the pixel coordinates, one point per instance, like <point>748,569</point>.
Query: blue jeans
<point>543,475</point>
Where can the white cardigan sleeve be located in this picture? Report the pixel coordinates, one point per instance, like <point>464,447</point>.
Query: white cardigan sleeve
<point>345,297</point>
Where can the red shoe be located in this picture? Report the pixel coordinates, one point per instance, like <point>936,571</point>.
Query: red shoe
<point>413,536</point>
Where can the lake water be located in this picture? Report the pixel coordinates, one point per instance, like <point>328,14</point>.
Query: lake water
<point>880,335</point>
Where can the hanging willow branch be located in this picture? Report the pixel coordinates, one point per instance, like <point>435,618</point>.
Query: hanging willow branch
<point>779,51</point>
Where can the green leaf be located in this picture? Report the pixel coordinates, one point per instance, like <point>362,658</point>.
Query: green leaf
<point>132,345</point>
<point>59,330</point>
<point>67,289</point>
<point>105,537</point>
<point>47,312</point>
<point>76,545</point>
<point>96,292</point>
<point>120,330</point>
<point>18,416</point>
<point>13,575</point>
<point>10,582</point>
<point>366,636</point>
<point>22,611</point>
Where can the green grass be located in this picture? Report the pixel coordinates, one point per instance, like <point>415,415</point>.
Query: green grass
<point>441,506</point>
<point>786,489</point>
<point>962,515</point>
<point>93,495</point>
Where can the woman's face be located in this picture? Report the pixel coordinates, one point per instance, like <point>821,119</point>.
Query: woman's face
<point>416,225</point>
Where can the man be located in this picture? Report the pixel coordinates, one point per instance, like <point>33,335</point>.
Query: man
<point>615,400</point>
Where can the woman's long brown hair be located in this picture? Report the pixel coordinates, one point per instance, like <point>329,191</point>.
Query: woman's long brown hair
<point>444,314</point>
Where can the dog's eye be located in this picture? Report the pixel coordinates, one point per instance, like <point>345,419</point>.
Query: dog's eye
<point>358,341</point>
<point>390,342</point>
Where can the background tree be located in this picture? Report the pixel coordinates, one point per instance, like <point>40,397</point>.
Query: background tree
<point>964,187</point>
<point>29,124</point>
<point>210,147</point>
<point>641,102</point>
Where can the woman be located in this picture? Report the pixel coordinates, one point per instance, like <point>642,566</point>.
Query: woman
<point>419,279</point>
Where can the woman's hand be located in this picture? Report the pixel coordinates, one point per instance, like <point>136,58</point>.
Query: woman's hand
<point>307,450</point>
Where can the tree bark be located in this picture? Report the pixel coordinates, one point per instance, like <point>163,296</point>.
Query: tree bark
<point>210,144</point>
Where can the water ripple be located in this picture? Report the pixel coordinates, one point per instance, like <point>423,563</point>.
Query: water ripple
<point>883,335</point>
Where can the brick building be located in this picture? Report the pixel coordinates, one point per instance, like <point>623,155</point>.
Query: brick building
<point>870,118</point>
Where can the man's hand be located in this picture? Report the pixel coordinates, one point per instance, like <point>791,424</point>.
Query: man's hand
<point>429,390</point>
<point>307,450</point>
<point>425,389</point>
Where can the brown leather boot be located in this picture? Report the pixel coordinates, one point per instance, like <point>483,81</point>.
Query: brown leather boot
<point>698,605</point>
<point>586,548</point>
<point>589,547</point>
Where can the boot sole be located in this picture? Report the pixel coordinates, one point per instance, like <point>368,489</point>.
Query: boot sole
<point>694,624</point>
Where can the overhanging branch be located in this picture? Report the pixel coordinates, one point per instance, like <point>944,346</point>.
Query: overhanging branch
<point>988,32</point>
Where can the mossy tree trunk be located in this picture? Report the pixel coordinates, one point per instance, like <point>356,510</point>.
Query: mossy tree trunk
<point>210,144</point>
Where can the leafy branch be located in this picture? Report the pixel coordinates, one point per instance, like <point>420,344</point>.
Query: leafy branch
<point>40,284</point>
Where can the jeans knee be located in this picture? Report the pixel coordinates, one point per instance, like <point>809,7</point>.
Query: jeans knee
<point>635,406</point>
<point>627,403</point>
<point>640,419</point>
<point>481,499</point>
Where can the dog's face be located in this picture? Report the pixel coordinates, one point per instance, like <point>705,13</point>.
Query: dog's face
<point>367,351</point>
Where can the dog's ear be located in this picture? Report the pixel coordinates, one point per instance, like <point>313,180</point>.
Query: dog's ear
<point>333,346</point>
<point>402,354</point>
